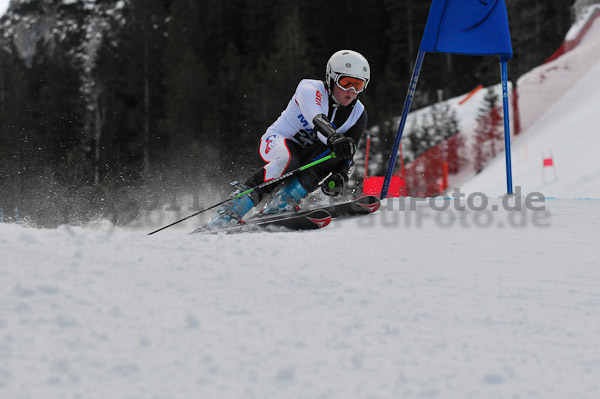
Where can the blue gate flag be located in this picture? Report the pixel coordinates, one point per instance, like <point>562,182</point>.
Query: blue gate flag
<point>471,27</point>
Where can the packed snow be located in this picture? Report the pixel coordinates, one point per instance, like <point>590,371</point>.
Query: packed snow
<point>408,304</point>
<point>472,298</point>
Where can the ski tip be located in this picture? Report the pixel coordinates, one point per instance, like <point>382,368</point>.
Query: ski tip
<point>369,202</point>
<point>371,207</point>
<point>320,222</point>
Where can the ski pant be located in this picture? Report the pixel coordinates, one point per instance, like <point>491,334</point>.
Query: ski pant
<point>282,155</point>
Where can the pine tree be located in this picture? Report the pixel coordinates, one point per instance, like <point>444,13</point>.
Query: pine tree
<point>489,128</point>
<point>268,88</point>
<point>454,152</point>
<point>420,137</point>
<point>11,131</point>
<point>130,94</point>
<point>237,142</point>
<point>189,122</point>
<point>285,66</point>
<point>439,124</point>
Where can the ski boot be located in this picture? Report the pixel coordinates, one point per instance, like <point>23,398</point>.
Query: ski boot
<point>231,212</point>
<point>287,198</point>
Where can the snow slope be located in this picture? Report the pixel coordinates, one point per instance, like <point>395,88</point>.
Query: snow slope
<point>397,305</point>
<point>429,302</point>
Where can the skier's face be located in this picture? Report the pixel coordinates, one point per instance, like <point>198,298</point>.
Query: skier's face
<point>344,98</point>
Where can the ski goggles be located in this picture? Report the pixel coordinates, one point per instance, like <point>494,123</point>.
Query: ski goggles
<point>349,82</point>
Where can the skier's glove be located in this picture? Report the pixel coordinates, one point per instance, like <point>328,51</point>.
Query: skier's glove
<point>334,184</point>
<point>342,146</point>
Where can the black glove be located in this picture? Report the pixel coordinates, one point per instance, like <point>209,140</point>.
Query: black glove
<point>334,184</point>
<point>342,146</point>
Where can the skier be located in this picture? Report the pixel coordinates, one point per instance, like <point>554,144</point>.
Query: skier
<point>321,117</point>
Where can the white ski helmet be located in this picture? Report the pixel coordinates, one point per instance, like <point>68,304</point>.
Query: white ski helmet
<point>347,63</point>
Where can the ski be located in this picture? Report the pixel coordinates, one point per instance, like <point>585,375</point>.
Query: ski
<point>306,220</point>
<point>360,206</point>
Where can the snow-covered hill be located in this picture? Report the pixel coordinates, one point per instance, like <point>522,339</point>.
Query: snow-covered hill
<point>559,107</point>
<point>442,300</point>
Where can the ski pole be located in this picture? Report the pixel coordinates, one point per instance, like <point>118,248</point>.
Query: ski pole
<point>250,190</point>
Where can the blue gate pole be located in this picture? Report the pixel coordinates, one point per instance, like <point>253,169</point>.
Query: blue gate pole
<point>407,103</point>
<point>504,73</point>
<point>17,215</point>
